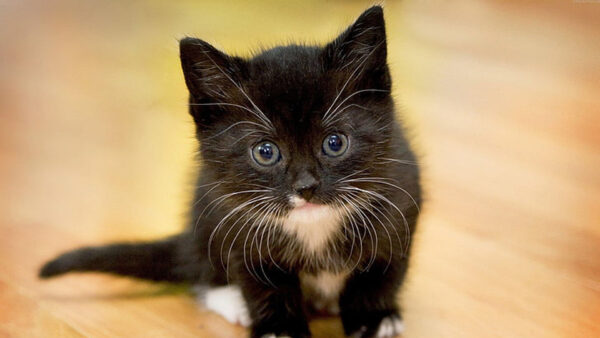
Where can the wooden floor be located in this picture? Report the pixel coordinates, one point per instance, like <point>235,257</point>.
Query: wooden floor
<point>502,96</point>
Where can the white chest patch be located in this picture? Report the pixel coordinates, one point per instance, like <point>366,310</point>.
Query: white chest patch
<point>323,289</point>
<point>313,226</point>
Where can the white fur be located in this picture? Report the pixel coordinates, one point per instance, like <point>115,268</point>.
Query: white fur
<point>327,284</point>
<point>313,226</point>
<point>323,289</point>
<point>390,327</point>
<point>226,301</point>
<point>297,201</point>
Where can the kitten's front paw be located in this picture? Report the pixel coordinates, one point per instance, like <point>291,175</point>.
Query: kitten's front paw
<point>226,301</point>
<point>389,327</point>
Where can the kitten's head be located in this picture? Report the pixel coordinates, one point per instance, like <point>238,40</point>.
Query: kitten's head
<point>294,126</point>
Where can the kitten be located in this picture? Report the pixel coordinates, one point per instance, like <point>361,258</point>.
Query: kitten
<point>307,194</point>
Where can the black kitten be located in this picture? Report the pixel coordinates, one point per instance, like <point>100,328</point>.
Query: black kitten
<point>307,194</point>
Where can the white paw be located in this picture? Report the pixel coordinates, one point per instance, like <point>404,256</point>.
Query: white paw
<point>390,327</point>
<point>226,301</point>
<point>272,335</point>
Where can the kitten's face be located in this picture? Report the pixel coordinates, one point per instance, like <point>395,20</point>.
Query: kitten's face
<point>294,126</point>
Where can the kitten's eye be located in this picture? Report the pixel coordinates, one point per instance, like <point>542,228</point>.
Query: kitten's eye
<point>335,145</point>
<point>265,153</point>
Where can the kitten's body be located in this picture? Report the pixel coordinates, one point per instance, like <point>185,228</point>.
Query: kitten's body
<point>312,229</point>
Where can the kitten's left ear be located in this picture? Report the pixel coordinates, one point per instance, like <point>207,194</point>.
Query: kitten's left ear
<point>209,73</point>
<point>211,76</point>
<point>362,45</point>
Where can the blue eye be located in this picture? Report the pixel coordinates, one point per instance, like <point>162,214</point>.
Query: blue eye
<point>335,145</point>
<point>265,153</point>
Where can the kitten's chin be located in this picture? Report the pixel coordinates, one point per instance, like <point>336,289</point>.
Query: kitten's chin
<point>311,223</point>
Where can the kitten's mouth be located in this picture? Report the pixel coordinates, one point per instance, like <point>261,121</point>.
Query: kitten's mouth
<point>299,203</point>
<point>307,206</point>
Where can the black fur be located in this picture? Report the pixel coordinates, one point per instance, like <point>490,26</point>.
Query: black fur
<point>293,87</point>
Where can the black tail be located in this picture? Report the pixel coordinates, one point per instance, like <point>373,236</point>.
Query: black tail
<point>157,261</point>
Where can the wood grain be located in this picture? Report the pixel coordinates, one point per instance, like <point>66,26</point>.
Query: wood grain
<point>502,98</point>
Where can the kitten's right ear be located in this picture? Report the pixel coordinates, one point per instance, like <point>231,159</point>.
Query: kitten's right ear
<point>210,74</point>
<point>362,47</point>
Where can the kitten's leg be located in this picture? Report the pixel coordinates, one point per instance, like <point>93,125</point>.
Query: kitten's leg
<point>275,311</point>
<point>368,303</point>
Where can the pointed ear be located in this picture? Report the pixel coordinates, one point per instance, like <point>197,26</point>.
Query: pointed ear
<point>362,47</point>
<point>209,73</point>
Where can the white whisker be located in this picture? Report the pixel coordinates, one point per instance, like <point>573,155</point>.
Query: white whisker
<point>387,160</point>
<point>358,67</point>
<point>258,113</point>
<point>385,199</point>
<point>232,226</point>
<point>255,213</point>
<point>381,180</point>
<point>227,216</point>
<point>352,95</point>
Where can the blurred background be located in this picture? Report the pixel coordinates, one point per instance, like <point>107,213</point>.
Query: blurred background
<point>501,97</point>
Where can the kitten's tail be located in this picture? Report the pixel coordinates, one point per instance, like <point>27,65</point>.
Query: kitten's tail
<point>157,261</point>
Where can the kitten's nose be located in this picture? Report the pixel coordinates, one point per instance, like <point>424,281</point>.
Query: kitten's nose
<point>305,185</point>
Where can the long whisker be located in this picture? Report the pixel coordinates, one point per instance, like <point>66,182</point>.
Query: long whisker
<point>259,224</point>
<point>330,119</point>
<point>242,227</point>
<point>358,67</point>
<point>258,203</point>
<point>216,202</point>
<point>385,199</point>
<point>227,216</point>
<point>270,231</point>
<point>264,224</point>
<point>227,104</point>
<point>381,180</point>
<point>369,209</point>
<point>200,199</point>
<point>399,161</point>
<point>258,112</point>
<point>207,184</point>
<point>231,126</point>
<point>383,214</point>
<point>254,227</point>
<point>361,209</point>
<point>368,226</point>
<point>235,210</point>
<point>353,174</point>
<point>208,191</point>
<point>325,119</point>
<point>350,219</point>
